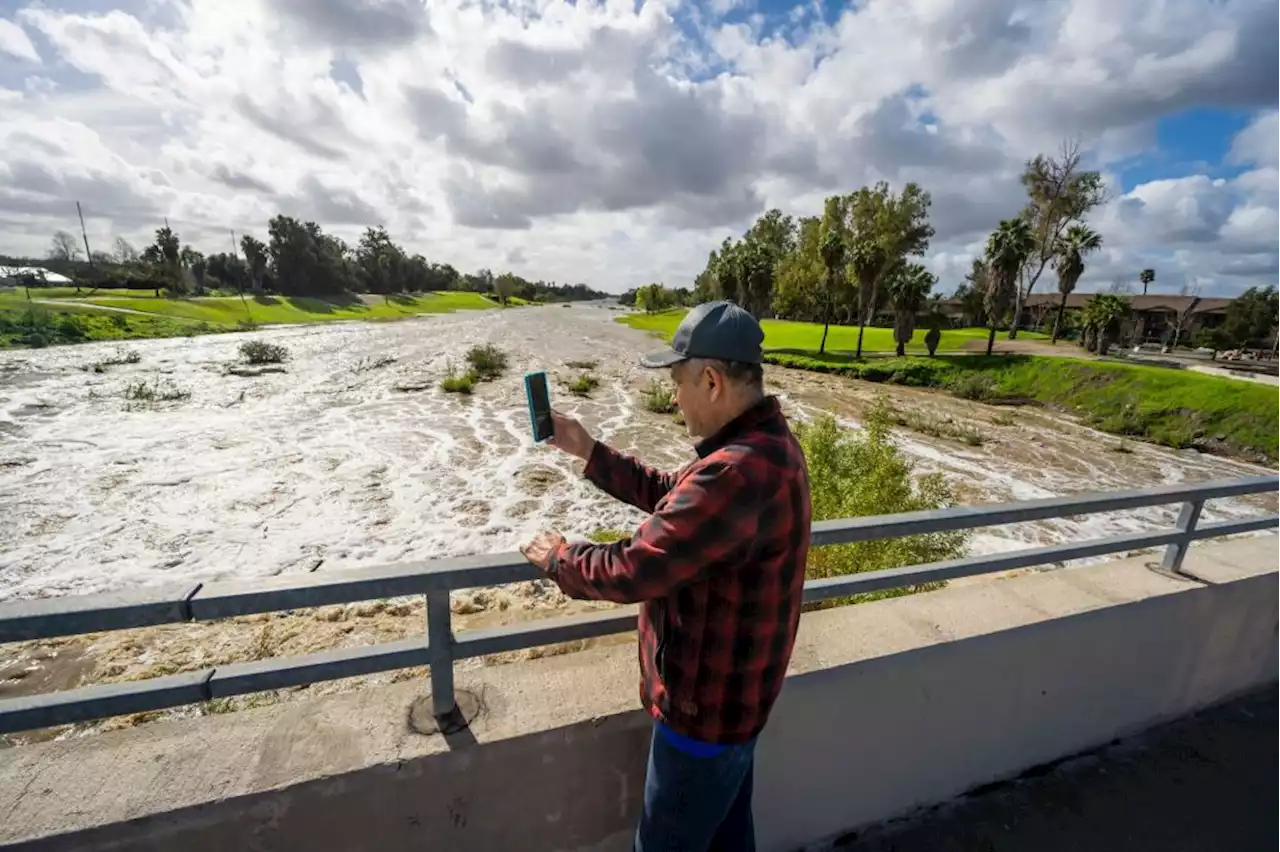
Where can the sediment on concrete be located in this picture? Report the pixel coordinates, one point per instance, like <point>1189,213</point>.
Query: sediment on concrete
<point>890,706</point>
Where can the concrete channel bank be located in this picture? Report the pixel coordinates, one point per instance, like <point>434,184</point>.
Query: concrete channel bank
<point>891,706</point>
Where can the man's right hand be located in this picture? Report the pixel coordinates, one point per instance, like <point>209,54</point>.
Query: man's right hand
<point>571,436</point>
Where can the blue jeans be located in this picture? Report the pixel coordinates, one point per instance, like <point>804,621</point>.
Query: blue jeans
<point>696,803</point>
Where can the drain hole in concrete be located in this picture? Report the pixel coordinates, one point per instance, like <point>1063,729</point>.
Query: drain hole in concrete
<point>423,721</point>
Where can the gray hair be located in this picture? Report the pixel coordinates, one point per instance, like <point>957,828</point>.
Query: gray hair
<point>738,372</point>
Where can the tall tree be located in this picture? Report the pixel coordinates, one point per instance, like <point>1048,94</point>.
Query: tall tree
<point>973,293</point>
<point>1060,193</point>
<point>799,277</point>
<point>1069,263</point>
<point>1184,315</point>
<point>194,263</point>
<point>909,286</point>
<point>255,259</point>
<point>769,240</point>
<point>1250,320</point>
<point>833,251</point>
<point>125,253</point>
<point>380,262</point>
<point>729,273</point>
<point>1007,250</point>
<point>1146,277</point>
<point>63,247</point>
<point>505,286</point>
<point>705,287</point>
<point>652,298</point>
<point>226,270</point>
<point>165,258</point>
<point>883,230</point>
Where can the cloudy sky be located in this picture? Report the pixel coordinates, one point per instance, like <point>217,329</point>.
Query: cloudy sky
<point>617,142</point>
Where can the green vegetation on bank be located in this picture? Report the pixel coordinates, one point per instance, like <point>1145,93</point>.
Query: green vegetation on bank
<point>264,310</point>
<point>853,473</point>
<point>787,334</point>
<point>47,323</point>
<point>34,325</point>
<point>1170,407</point>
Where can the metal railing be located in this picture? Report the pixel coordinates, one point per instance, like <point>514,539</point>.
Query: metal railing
<point>439,648</point>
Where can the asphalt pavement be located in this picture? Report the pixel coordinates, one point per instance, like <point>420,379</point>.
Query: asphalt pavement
<point>1205,782</point>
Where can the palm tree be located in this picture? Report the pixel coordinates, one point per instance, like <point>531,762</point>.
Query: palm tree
<point>1007,249</point>
<point>867,261</point>
<point>1069,262</point>
<point>1146,277</point>
<point>833,259</point>
<point>1102,317</point>
<point>908,288</point>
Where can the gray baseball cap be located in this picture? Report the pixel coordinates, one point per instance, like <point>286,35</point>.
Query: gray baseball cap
<point>719,330</point>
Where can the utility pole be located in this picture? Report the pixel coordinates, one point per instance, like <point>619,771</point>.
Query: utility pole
<point>88,255</point>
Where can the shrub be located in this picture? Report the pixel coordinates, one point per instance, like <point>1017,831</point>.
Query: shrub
<point>71,329</point>
<point>976,386</point>
<point>487,362</point>
<point>938,427</point>
<point>261,352</point>
<point>455,382</point>
<point>155,392</point>
<point>581,365</point>
<point>37,328</point>
<point>659,397</point>
<point>856,473</point>
<point>584,385</point>
<point>366,364</point>
<point>931,340</point>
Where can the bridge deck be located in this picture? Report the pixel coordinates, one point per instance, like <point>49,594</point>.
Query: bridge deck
<point>1206,782</point>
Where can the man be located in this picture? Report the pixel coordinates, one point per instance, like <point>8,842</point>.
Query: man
<point>719,569</point>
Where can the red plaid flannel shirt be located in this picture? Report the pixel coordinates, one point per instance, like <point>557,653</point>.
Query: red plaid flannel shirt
<point>718,568</point>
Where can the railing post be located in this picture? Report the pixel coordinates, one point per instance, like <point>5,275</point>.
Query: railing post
<point>1174,553</point>
<point>440,642</point>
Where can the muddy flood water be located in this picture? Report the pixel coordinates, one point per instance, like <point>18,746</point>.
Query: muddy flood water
<point>354,457</point>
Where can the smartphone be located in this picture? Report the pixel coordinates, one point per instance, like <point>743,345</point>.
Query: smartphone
<point>535,388</point>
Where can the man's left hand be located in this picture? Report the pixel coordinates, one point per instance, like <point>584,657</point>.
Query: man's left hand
<point>540,550</point>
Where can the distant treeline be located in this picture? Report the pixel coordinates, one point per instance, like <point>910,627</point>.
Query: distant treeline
<point>655,297</point>
<point>297,259</point>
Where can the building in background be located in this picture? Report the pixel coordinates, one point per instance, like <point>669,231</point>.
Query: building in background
<point>32,276</point>
<point>1152,319</point>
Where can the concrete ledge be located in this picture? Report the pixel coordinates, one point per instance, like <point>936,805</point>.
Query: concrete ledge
<point>892,705</point>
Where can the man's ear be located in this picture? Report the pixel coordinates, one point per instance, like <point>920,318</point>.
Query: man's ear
<point>715,383</point>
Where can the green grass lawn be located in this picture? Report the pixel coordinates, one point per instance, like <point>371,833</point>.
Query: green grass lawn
<point>72,293</point>
<point>109,317</point>
<point>231,310</point>
<point>1176,408</point>
<point>26,324</point>
<point>785,334</point>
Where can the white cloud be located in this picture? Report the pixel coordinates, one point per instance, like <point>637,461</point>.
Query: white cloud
<point>1259,143</point>
<point>615,142</point>
<point>15,42</point>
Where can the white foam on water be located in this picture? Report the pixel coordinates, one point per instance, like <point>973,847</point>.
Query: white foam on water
<point>331,466</point>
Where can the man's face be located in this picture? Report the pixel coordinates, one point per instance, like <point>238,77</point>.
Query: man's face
<point>699,392</point>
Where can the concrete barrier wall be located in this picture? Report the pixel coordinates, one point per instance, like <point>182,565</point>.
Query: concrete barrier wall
<point>893,705</point>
